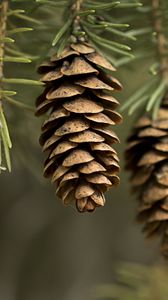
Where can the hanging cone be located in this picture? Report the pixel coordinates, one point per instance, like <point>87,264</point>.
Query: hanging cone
<point>147,159</point>
<point>81,162</point>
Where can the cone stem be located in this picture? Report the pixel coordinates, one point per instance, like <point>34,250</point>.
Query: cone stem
<point>78,5</point>
<point>76,8</point>
<point>3,23</point>
<point>161,39</point>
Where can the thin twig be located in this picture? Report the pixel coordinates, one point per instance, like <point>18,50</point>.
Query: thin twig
<point>78,4</point>
<point>76,8</point>
<point>161,39</point>
<point>3,24</point>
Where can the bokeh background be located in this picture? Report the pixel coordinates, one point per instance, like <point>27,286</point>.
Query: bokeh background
<point>47,251</point>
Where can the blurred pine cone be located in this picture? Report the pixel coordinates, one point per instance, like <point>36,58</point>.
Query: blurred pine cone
<point>81,161</point>
<point>147,159</point>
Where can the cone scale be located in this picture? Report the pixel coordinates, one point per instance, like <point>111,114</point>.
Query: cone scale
<point>77,134</point>
<point>147,159</point>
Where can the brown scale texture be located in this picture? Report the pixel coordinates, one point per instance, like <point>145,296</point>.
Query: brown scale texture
<point>80,109</point>
<point>147,159</point>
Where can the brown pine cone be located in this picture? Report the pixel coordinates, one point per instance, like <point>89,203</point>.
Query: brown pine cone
<point>147,159</point>
<point>76,134</point>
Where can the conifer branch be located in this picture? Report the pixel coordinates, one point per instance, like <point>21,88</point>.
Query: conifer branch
<point>3,27</point>
<point>88,21</point>
<point>156,15</point>
<point>4,133</point>
<point>10,54</point>
<point>161,38</point>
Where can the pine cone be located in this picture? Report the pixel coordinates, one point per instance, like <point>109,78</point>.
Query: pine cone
<point>81,161</point>
<point>147,158</point>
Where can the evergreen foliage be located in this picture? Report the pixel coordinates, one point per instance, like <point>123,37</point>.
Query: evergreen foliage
<point>135,281</point>
<point>152,44</point>
<point>100,22</point>
<point>10,53</point>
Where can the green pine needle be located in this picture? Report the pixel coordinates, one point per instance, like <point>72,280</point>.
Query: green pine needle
<point>158,92</point>
<point>18,104</point>
<point>61,32</point>
<point>7,93</point>
<point>19,30</point>
<point>15,59</point>
<point>22,81</point>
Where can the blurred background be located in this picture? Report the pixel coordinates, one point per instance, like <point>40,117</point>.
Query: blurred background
<point>50,252</point>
